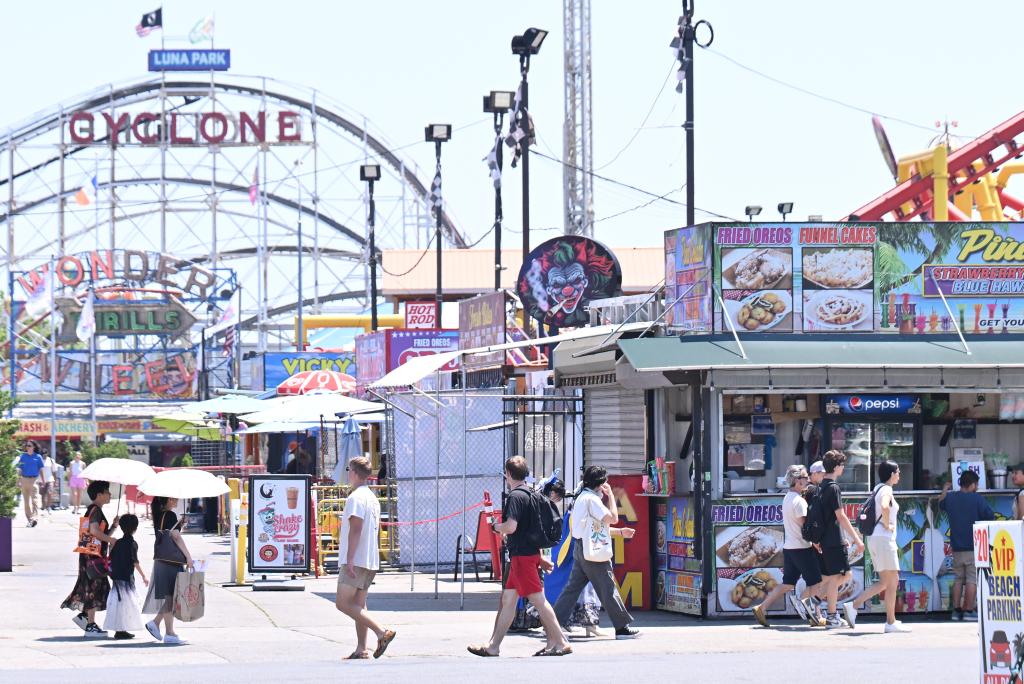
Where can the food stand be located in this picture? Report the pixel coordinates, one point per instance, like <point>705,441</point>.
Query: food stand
<point>793,339</point>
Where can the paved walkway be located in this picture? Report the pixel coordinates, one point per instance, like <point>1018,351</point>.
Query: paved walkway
<point>299,636</point>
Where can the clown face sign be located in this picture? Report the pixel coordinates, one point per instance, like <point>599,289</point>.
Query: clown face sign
<point>561,276</point>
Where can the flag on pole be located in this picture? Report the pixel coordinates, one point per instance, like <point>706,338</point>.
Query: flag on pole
<point>87,193</point>
<point>435,199</point>
<point>521,133</point>
<point>86,327</point>
<point>38,302</point>
<point>493,160</point>
<point>203,30</point>
<point>151,21</point>
<point>254,189</point>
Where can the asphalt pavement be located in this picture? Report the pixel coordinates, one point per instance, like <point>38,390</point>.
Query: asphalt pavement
<point>249,636</point>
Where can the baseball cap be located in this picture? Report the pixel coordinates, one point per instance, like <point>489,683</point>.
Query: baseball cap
<point>293,445</point>
<point>817,467</point>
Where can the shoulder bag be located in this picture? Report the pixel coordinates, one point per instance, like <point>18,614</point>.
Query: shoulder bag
<point>165,550</point>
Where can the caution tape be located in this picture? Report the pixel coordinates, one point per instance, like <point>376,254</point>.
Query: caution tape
<point>434,520</point>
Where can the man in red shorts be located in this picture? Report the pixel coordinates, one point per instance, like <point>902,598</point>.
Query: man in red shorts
<point>523,580</point>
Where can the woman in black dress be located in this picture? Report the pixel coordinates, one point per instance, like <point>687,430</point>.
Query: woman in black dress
<point>160,599</point>
<point>90,595</point>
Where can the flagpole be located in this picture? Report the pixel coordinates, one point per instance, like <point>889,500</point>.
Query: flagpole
<point>92,338</point>
<point>53,362</point>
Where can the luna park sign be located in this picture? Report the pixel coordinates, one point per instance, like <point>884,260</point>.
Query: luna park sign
<point>185,128</point>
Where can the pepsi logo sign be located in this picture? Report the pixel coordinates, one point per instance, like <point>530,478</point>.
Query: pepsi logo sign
<point>880,404</point>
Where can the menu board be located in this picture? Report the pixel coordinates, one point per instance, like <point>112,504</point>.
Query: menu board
<point>482,324</point>
<point>279,523</point>
<point>679,574</point>
<point>688,255</point>
<point>853,277</point>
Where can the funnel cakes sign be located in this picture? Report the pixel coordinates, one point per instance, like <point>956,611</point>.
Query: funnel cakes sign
<point>561,276</point>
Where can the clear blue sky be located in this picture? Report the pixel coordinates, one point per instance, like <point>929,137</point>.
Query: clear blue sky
<point>404,64</point>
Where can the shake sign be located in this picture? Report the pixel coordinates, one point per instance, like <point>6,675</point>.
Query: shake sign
<point>997,554</point>
<point>420,315</point>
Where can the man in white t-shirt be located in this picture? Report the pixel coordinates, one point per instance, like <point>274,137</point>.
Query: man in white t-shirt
<point>359,559</point>
<point>799,559</point>
<point>46,483</point>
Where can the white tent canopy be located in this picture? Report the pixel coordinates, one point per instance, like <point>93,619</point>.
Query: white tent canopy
<point>310,408</point>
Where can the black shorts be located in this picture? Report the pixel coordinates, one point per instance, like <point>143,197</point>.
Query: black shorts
<point>797,563</point>
<point>834,560</point>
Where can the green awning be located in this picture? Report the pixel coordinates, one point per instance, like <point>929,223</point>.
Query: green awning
<point>654,354</point>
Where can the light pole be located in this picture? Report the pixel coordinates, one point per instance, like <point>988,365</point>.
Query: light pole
<point>683,45</point>
<point>498,102</point>
<point>371,173</point>
<point>437,134</point>
<point>525,46</point>
<point>300,342</point>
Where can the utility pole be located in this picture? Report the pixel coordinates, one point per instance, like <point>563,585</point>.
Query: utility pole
<point>683,45</point>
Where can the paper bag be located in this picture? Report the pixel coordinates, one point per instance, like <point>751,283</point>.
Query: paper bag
<point>189,596</point>
<point>88,544</point>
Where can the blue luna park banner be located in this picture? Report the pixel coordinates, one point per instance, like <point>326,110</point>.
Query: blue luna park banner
<point>847,277</point>
<point>189,60</point>
<point>279,366</point>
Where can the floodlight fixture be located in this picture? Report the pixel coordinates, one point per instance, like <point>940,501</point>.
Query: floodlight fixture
<point>752,210</point>
<point>785,208</point>
<point>437,133</point>
<point>529,43</point>
<point>369,172</point>
<point>499,101</point>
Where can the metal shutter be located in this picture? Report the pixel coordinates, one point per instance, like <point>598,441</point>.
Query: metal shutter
<point>614,429</point>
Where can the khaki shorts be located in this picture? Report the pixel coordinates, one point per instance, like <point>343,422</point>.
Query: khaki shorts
<point>963,567</point>
<point>362,580</point>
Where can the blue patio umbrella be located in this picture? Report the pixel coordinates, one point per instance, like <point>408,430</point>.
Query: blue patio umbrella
<point>351,446</point>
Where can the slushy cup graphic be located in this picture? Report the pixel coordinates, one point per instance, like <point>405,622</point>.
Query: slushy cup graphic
<point>293,497</point>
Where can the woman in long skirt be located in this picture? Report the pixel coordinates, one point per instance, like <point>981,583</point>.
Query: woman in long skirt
<point>90,594</point>
<point>160,599</point>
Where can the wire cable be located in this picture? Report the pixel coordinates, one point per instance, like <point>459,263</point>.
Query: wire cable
<point>643,123</point>
<point>426,250</point>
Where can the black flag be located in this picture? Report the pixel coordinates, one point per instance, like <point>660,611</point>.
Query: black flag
<point>150,22</point>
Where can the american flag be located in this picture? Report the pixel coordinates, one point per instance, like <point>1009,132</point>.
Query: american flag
<point>520,128</point>
<point>229,343</point>
<point>436,200</point>
<point>150,22</point>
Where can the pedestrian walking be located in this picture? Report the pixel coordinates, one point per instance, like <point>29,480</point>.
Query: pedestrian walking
<point>519,516</point>
<point>834,559</point>
<point>169,559</point>
<point>359,559</point>
<point>816,473</point>
<point>122,603</point>
<point>799,559</point>
<point>92,587</point>
<point>964,508</point>
<point>75,481</point>
<point>46,479</point>
<point>587,613</point>
<point>885,554</point>
<point>593,512</point>
<point>30,468</point>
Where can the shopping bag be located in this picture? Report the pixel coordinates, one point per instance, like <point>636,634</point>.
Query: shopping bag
<point>88,544</point>
<point>189,596</point>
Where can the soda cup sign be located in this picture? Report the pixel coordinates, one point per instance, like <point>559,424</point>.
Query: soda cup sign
<point>420,315</point>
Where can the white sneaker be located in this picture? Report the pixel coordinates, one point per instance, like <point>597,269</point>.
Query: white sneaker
<point>897,628</point>
<point>798,606</point>
<point>851,614</point>
<point>174,639</point>
<point>834,622</point>
<point>154,630</point>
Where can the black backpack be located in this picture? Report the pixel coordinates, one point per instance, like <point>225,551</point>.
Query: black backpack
<point>867,516</point>
<point>813,529</point>
<point>546,530</point>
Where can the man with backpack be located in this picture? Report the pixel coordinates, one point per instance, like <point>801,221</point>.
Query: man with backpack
<point>522,524</point>
<point>833,520</point>
<point>592,513</point>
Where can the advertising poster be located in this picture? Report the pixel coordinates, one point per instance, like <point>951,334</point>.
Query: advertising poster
<point>997,555</point>
<point>678,576</point>
<point>482,324</point>
<point>688,253</point>
<point>632,557</point>
<point>851,277</point>
<point>406,344</point>
<point>279,523</point>
<point>279,366</point>
<point>371,356</point>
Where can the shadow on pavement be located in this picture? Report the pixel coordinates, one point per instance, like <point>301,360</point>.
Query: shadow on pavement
<point>445,602</point>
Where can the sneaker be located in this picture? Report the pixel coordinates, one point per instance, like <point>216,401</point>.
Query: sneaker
<point>82,620</point>
<point>123,635</point>
<point>154,630</point>
<point>174,639</point>
<point>93,631</point>
<point>834,622</point>
<point>626,633</point>
<point>814,618</point>
<point>896,628</point>
<point>957,615</point>
<point>799,607</point>
<point>760,616</point>
<point>971,616</point>
<point>851,614</point>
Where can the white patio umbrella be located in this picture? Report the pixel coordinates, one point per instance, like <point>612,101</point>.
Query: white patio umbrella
<point>120,470</point>
<point>184,483</point>
<point>230,403</point>
<point>311,408</point>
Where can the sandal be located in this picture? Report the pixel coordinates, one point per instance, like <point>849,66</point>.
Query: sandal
<point>382,643</point>
<point>556,651</point>
<point>358,655</point>
<point>481,651</point>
